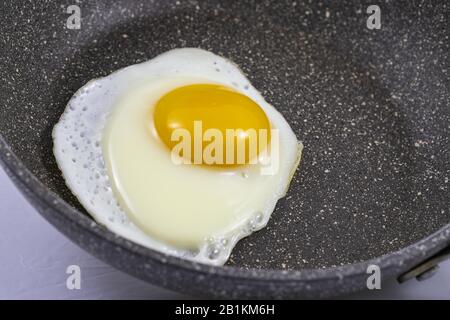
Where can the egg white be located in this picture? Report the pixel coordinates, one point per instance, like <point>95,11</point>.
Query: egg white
<point>78,136</point>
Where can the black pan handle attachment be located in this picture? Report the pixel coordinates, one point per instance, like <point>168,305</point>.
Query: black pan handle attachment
<point>427,268</point>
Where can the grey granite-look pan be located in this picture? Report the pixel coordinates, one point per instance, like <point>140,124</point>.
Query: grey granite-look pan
<point>372,108</point>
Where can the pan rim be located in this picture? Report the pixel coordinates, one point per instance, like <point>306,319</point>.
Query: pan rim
<point>393,263</point>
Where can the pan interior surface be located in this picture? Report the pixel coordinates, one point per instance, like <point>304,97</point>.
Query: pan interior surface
<point>371,106</point>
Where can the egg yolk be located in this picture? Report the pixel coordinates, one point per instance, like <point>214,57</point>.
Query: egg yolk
<point>237,120</point>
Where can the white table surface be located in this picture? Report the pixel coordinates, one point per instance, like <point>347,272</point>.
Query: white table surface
<point>34,257</point>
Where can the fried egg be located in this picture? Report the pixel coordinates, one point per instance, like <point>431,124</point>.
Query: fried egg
<point>114,145</point>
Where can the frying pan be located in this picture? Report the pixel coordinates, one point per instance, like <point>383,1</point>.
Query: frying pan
<point>372,107</point>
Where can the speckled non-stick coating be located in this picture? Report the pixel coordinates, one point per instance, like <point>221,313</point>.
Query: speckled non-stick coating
<point>372,108</point>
